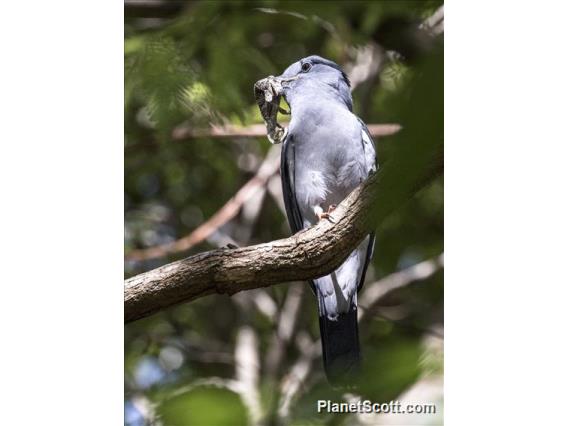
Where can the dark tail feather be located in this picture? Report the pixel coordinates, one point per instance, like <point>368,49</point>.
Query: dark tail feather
<point>340,346</point>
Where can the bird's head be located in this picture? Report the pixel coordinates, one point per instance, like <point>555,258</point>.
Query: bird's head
<point>314,78</point>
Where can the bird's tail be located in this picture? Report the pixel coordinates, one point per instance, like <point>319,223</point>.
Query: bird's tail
<point>340,344</point>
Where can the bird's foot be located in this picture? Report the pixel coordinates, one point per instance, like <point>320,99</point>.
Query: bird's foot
<point>327,214</point>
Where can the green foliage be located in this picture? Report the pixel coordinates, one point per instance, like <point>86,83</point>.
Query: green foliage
<point>204,406</point>
<point>157,73</point>
<point>390,368</point>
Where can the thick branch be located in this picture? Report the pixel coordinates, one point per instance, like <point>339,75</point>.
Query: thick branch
<point>308,254</point>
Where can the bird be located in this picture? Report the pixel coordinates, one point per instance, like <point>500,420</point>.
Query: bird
<point>326,153</point>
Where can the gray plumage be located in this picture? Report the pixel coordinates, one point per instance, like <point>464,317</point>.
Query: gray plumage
<point>327,153</point>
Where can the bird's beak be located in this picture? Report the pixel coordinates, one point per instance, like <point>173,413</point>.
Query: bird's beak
<point>282,82</point>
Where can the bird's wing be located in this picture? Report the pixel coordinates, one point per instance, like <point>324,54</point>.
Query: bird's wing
<point>368,148</point>
<point>372,166</point>
<point>288,185</point>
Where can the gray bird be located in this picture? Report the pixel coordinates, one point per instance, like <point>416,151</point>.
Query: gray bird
<point>326,153</point>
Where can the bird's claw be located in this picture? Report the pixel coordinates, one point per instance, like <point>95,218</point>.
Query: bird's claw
<point>327,214</point>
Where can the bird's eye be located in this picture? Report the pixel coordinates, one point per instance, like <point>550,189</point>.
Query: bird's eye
<point>306,66</point>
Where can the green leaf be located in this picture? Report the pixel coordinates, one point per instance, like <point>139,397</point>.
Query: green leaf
<point>389,368</point>
<point>204,406</point>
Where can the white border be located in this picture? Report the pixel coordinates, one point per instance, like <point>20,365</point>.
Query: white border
<point>506,212</point>
<point>61,168</point>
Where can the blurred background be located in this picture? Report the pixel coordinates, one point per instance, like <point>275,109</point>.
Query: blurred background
<point>200,174</point>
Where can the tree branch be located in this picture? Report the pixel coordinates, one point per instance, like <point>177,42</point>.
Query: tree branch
<point>308,254</point>
<point>184,132</point>
<point>268,168</point>
<point>374,292</point>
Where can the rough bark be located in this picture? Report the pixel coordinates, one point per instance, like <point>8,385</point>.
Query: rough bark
<point>308,254</point>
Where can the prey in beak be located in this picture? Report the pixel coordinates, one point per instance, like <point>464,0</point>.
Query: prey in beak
<point>268,93</point>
